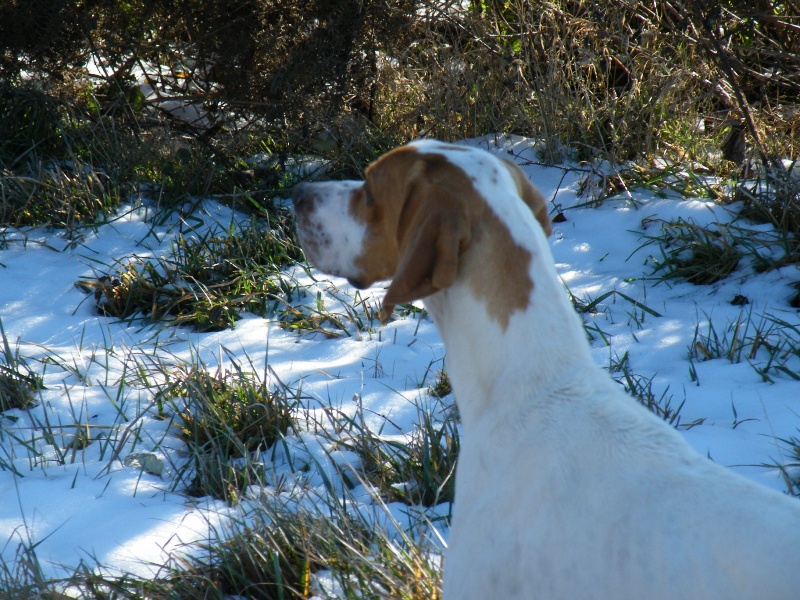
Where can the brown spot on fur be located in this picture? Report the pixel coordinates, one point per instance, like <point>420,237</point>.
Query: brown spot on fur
<point>499,270</point>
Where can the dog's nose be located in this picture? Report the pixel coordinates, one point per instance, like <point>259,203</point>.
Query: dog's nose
<point>300,194</point>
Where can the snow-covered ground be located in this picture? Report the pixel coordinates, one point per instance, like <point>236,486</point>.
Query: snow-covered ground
<point>84,503</point>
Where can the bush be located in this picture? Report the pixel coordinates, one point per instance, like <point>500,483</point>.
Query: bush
<point>715,83</point>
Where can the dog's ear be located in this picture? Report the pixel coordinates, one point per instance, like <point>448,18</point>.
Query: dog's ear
<point>532,197</point>
<point>438,232</point>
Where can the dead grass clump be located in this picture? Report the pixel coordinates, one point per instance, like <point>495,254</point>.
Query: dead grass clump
<point>206,280</point>
<point>226,419</point>
<point>18,382</point>
<point>697,254</point>
<point>274,554</point>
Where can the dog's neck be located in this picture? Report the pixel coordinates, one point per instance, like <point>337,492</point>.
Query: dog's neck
<point>543,345</point>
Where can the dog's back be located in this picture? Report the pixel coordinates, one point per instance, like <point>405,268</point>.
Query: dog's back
<point>614,506</point>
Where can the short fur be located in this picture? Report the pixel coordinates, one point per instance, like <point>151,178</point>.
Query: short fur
<point>566,487</point>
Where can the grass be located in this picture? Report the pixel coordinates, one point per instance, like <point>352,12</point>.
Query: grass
<point>698,254</point>
<point>442,386</point>
<point>63,196</point>
<point>226,420</point>
<point>19,382</point>
<point>768,343</point>
<point>273,557</point>
<point>354,315</point>
<point>641,388</point>
<point>663,178</point>
<point>774,197</point>
<point>707,254</point>
<point>638,313</point>
<point>593,305</point>
<point>790,469</point>
<point>279,544</point>
<point>269,553</point>
<point>205,280</point>
<point>276,556</point>
<point>416,469</point>
<point>24,579</point>
<point>55,166</point>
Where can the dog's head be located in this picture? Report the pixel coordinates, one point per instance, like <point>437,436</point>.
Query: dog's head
<point>420,208</point>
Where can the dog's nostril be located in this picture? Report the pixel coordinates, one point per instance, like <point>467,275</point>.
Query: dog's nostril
<point>300,194</point>
<point>357,283</point>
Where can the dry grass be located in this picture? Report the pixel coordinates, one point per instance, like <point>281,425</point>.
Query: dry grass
<point>609,80</point>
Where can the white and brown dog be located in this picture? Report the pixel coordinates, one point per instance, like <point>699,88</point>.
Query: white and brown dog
<point>566,487</point>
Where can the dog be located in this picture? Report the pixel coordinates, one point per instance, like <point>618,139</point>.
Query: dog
<point>566,487</point>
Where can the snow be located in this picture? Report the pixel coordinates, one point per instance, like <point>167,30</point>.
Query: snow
<point>85,504</point>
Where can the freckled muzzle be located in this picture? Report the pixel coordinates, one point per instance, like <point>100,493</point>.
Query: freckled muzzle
<point>331,238</point>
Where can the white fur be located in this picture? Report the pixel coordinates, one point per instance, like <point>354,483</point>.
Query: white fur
<point>566,487</point>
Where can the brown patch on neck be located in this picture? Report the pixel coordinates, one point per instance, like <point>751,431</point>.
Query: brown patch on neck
<point>498,269</point>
